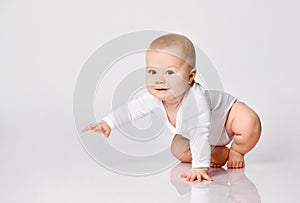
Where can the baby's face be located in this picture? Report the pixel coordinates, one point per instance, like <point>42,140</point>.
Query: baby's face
<point>167,76</point>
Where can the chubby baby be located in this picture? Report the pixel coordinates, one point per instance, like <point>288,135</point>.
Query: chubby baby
<point>204,122</point>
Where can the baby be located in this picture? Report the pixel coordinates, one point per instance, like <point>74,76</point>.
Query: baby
<point>203,121</point>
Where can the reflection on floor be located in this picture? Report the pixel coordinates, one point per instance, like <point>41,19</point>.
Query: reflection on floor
<point>229,185</point>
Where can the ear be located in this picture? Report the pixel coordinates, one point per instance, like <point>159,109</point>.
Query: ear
<point>192,75</point>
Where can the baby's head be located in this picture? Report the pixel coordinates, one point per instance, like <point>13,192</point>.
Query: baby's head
<point>171,68</point>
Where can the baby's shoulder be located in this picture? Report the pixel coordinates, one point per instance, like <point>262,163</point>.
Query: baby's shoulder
<point>216,94</point>
<point>195,97</point>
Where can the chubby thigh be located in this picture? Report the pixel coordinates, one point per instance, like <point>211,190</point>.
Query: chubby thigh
<point>244,124</point>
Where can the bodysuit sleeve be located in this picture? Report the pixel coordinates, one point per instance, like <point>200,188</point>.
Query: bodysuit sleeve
<point>133,110</point>
<point>196,117</point>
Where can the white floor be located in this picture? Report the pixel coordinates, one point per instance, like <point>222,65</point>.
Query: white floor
<point>43,165</point>
<point>258,183</point>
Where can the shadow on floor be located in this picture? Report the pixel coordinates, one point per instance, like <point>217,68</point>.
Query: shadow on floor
<point>229,185</point>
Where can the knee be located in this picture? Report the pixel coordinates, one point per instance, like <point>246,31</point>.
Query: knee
<point>180,148</point>
<point>252,130</point>
<point>175,147</point>
<point>249,136</point>
<point>255,129</point>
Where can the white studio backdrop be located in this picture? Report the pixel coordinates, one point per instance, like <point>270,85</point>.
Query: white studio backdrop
<point>254,46</point>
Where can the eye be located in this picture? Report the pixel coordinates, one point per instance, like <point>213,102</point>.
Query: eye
<point>152,72</point>
<point>169,72</point>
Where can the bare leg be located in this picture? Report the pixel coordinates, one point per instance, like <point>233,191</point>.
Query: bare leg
<point>180,148</point>
<point>244,124</point>
<point>219,156</point>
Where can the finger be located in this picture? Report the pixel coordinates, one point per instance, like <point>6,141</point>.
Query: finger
<point>106,134</point>
<point>89,127</point>
<point>188,177</point>
<point>92,126</point>
<point>199,178</point>
<point>84,130</point>
<point>206,177</point>
<point>193,177</point>
<point>95,129</point>
<point>99,129</point>
<point>183,175</point>
<point>105,131</point>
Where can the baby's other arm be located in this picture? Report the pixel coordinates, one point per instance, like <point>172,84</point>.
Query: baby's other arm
<point>197,122</point>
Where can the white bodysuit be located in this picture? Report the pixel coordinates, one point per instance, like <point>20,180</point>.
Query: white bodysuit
<point>200,118</point>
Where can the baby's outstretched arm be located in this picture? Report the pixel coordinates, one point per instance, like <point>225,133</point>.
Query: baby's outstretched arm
<point>101,127</point>
<point>135,109</point>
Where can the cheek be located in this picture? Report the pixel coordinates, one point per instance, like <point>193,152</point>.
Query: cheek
<point>177,81</point>
<point>178,85</point>
<point>150,80</point>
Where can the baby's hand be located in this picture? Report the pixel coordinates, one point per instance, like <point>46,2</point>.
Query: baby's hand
<point>197,173</point>
<point>101,127</point>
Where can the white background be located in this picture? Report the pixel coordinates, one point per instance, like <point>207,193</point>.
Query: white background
<point>254,46</point>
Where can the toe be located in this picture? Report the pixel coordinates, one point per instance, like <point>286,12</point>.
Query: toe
<point>229,164</point>
<point>213,165</point>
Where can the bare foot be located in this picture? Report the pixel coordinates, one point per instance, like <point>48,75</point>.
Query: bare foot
<point>219,156</point>
<point>235,160</point>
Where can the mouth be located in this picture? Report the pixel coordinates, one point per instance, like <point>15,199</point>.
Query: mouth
<point>161,89</point>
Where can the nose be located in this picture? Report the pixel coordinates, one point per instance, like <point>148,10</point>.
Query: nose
<point>159,79</point>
